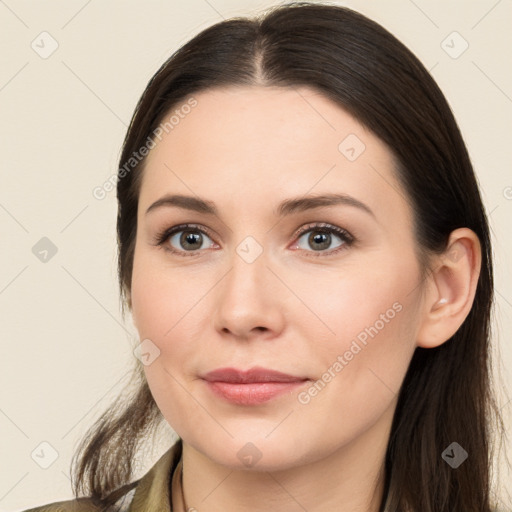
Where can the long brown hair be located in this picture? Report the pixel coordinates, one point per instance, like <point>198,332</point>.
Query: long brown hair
<point>446,395</point>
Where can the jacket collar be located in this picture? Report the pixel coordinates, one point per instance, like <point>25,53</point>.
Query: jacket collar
<point>152,491</point>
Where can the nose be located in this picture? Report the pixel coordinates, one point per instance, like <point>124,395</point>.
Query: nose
<point>250,300</point>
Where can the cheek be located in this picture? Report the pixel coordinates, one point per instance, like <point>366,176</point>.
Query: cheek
<point>164,313</point>
<point>168,308</point>
<point>359,369</point>
<point>160,297</point>
<point>364,303</point>
<point>363,327</point>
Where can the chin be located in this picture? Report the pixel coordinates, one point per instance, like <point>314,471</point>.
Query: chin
<point>258,453</point>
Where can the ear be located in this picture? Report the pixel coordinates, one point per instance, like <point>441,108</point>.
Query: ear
<point>450,288</point>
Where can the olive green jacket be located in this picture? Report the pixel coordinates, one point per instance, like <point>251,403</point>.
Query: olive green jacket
<point>150,493</point>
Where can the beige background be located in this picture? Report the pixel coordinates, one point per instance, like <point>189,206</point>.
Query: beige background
<point>65,350</point>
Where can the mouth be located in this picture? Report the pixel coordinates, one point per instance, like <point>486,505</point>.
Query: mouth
<point>251,387</point>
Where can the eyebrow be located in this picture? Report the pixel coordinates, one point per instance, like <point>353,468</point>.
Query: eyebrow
<point>285,208</point>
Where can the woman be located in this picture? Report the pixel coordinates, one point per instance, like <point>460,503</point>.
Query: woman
<point>324,346</point>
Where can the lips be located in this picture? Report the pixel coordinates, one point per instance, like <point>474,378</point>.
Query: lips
<point>256,374</point>
<point>251,387</point>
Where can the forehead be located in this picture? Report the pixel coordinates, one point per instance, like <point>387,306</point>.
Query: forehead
<point>264,122</point>
<point>265,143</point>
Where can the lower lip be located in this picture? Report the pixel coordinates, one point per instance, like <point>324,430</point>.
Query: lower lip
<point>254,393</point>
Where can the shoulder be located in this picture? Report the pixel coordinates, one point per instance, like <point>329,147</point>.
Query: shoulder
<point>66,506</point>
<point>123,497</point>
<point>151,492</point>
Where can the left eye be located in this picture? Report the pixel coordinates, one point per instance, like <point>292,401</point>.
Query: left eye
<point>188,239</point>
<point>321,239</point>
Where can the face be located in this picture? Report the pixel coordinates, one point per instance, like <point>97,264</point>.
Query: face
<point>324,291</point>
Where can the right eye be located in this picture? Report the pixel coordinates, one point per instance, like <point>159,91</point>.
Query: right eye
<point>182,239</point>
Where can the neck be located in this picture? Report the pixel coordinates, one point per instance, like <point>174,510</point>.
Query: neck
<point>350,478</point>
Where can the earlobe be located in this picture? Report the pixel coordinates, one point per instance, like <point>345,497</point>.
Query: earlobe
<point>451,289</point>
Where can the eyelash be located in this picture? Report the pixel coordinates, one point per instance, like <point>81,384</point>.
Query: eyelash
<point>323,227</point>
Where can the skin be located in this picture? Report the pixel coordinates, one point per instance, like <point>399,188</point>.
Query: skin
<point>247,149</point>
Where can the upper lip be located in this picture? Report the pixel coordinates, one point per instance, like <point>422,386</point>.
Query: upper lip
<point>255,374</point>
